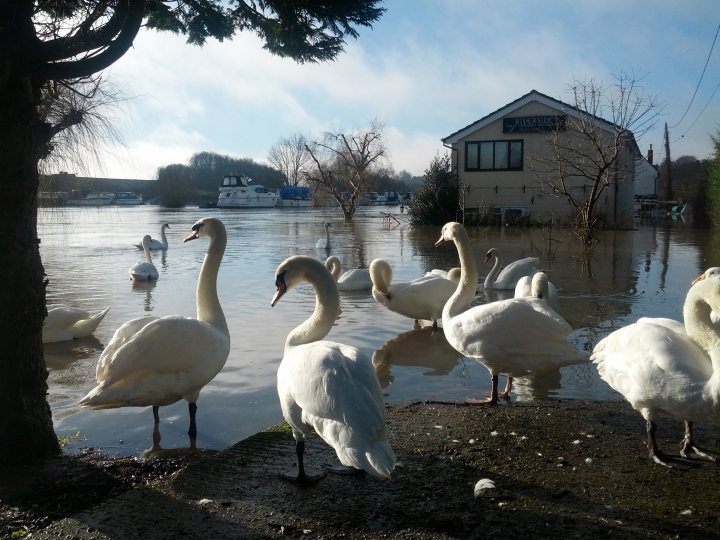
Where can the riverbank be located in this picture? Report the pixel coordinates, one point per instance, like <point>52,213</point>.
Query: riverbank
<point>561,469</point>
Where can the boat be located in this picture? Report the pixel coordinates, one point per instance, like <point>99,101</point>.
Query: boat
<point>295,197</point>
<point>92,199</point>
<point>128,198</point>
<point>52,198</point>
<point>373,198</point>
<point>236,192</point>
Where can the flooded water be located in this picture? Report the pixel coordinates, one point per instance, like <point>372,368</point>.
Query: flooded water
<point>87,252</point>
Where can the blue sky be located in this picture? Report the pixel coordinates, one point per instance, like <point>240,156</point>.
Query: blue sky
<point>425,70</point>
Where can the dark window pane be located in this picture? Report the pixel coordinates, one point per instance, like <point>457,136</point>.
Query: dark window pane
<point>501,155</point>
<point>486,155</point>
<point>471,156</point>
<point>516,160</point>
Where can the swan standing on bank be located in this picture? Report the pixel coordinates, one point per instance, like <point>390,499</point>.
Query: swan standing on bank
<point>420,299</point>
<point>324,243</point>
<point>144,270</point>
<point>517,336</point>
<point>664,368</point>
<point>508,278</point>
<point>65,323</point>
<point>327,386</point>
<point>154,361</point>
<point>356,279</point>
<point>157,244</point>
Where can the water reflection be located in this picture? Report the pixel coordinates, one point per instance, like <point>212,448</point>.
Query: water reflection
<point>156,451</point>
<point>422,347</point>
<point>145,288</point>
<point>63,354</point>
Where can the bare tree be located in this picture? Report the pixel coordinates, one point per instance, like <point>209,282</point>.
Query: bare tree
<point>594,148</point>
<point>344,162</point>
<point>291,157</point>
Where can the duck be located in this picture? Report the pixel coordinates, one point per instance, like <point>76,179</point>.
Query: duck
<point>329,387</point>
<point>665,367</point>
<point>516,336</point>
<point>356,279</point>
<point>548,290</point>
<point>66,323</point>
<point>157,244</point>
<point>324,243</point>
<point>508,278</point>
<point>144,270</point>
<point>420,299</point>
<point>157,361</point>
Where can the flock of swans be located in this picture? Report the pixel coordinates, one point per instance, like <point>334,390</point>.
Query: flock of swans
<point>660,366</point>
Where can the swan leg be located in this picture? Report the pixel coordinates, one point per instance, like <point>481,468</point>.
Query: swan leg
<point>302,476</point>
<point>688,445</point>
<point>192,409</point>
<point>653,451</point>
<point>493,399</point>
<point>508,386</point>
<point>156,414</point>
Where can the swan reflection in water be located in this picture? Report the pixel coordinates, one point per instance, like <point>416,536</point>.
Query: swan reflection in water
<point>145,287</point>
<point>158,452</point>
<point>63,354</point>
<point>422,347</point>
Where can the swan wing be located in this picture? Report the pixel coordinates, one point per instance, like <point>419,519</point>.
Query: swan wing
<point>355,280</point>
<point>423,298</point>
<point>515,270</point>
<point>650,362</point>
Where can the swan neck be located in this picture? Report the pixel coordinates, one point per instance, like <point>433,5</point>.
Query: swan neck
<point>163,236</point>
<point>381,276</point>
<point>467,286</point>
<point>208,304</point>
<point>146,249</point>
<point>327,309</point>
<point>490,278</point>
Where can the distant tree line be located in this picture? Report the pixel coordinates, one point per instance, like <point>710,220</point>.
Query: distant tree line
<point>689,185</point>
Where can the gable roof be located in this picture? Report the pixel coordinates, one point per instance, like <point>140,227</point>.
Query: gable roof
<point>530,97</point>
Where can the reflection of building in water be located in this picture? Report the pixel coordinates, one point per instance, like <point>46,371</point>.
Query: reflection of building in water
<point>145,287</point>
<point>422,348</point>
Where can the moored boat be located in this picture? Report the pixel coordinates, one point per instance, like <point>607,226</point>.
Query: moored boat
<point>93,199</point>
<point>295,197</point>
<point>128,198</point>
<point>236,192</point>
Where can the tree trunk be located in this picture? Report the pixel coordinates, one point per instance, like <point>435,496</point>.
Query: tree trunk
<point>26,430</point>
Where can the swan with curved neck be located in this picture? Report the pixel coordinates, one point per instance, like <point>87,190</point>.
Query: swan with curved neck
<point>355,279</point>
<point>65,323</point>
<point>508,278</point>
<point>420,299</point>
<point>544,289</point>
<point>329,387</point>
<point>662,367</point>
<point>324,243</point>
<point>153,361</point>
<point>517,336</point>
<point>144,270</point>
<point>157,244</point>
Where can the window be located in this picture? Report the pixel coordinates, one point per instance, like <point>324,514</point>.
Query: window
<point>494,156</point>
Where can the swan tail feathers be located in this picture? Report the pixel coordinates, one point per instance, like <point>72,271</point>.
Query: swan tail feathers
<point>88,326</point>
<point>377,460</point>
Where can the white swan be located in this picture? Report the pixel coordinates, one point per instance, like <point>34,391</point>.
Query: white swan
<point>326,386</point>
<point>144,270</point>
<point>453,274</point>
<point>517,336</point>
<point>507,279</point>
<point>548,291</point>
<point>662,367</point>
<point>65,323</point>
<point>356,279</point>
<point>324,243</point>
<point>158,361</point>
<point>420,299</point>
<point>157,244</point>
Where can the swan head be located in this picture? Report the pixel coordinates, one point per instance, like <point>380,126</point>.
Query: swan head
<point>449,233</point>
<point>712,272</point>
<point>293,271</point>
<point>540,285</point>
<point>165,226</point>
<point>492,252</point>
<point>707,287</point>
<point>332,263</point>
<point>205,227</point>
<point>146,241</point>
<point>381,276</point>
<point>327,225</point>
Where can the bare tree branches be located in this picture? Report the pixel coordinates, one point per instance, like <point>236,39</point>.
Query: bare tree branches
<point>291,158</point>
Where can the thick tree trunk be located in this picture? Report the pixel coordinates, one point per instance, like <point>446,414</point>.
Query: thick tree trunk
<point>26,430</point>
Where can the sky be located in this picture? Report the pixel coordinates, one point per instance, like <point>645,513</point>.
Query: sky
<point>426,69</point>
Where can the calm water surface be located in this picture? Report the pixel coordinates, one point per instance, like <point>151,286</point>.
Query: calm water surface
<point>87,252</point>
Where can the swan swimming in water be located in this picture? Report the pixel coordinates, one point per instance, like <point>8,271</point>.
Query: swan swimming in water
<point>157,244</point>
<point>144,270</point>
<point>508,278</point>
<point>517,336</point>
<point>153,361</point>
<point>420,299</point>
<point>524,288</point>
<point>662,367</point>
<point>324,243</point>
<point>326,386</point>
<point>65,323</point>
<point>355,279</point>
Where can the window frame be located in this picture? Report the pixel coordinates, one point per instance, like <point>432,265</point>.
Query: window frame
<point>509,153</point>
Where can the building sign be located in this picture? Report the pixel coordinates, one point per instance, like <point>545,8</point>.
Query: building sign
<point>533,124</point>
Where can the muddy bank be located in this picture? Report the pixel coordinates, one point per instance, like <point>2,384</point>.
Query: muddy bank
<point>573,468</point>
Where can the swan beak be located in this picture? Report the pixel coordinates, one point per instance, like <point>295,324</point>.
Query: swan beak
<point>280,290</point>
<point>699,278</point>
<point>440,242</point>
<point>193,236</point>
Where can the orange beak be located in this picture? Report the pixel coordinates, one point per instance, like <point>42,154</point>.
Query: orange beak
<point>699,278</point>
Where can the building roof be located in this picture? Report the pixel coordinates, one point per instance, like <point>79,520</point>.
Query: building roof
<point>532,96</point>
